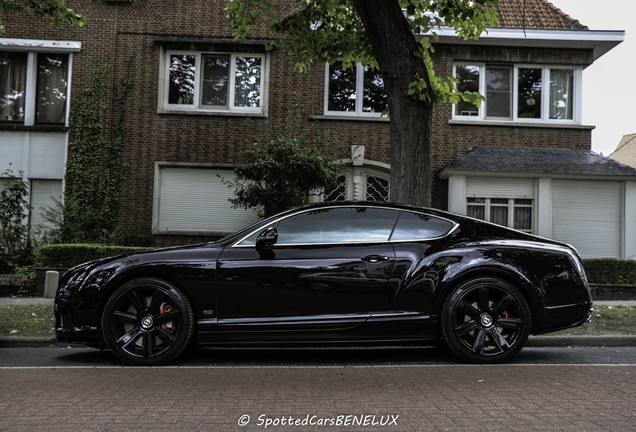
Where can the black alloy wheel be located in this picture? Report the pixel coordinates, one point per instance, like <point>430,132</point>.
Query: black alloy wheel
<point>147,322</point>
<point>485,320</point>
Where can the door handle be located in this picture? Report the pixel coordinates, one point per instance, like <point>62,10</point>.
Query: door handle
<point>375,258</point>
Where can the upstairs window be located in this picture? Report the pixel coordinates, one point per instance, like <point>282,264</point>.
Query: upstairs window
<point>354,91</point>
<point>33,88</point>
<point>520,93</point>
<point>214,82</point>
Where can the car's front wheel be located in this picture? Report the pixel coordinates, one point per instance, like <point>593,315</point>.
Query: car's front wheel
<point>147,322</point>
<point>485,320</point>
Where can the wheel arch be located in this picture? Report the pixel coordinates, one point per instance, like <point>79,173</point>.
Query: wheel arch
<point>530,292</point>
<point>119,280</point>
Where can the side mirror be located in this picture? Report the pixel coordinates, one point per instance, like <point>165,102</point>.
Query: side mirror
<point>266,238</point>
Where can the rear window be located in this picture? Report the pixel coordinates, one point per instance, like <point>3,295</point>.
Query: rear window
<point>417,226</point>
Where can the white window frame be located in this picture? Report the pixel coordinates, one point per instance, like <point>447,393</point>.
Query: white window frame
<point>545,96</point>
<point>359,96</point>
<point>196,107</point>
<point>511,205</point>
<point>33,47</point>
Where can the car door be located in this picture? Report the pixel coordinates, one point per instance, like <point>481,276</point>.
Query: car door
<point>318,272</point>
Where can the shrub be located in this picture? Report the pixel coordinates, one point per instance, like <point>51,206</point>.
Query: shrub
<point>282,173</point>
<point>15,243</point>
<point>69,255</point>
<point>608,271</point>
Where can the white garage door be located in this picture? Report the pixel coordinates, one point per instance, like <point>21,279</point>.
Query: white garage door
<point>195,200</point>
<point>587,215</point>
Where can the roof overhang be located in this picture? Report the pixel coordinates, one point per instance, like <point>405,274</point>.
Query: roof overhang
<point>600,41</point>
<point>9,44</point>
<point>448,173</point>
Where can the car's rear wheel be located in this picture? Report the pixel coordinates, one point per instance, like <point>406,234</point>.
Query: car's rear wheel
<point>485,320</point>
<point>147,321</point>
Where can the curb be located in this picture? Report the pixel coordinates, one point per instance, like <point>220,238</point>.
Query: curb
<point>587,341</point>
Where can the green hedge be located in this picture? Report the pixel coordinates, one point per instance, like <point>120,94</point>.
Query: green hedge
<point>69,255</point>
<point>610,271</point>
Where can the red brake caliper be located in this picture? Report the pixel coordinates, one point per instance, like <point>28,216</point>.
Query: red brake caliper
<point>164,308</point>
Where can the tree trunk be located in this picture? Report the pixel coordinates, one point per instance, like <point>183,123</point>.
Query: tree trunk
<point>394,47</point>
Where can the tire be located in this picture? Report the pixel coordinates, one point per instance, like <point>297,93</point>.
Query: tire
<point>147,322</point>
<point>485,320</point>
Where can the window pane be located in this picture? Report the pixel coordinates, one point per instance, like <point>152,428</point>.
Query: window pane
<point>377,189</point>
<point>527,202</point>
<point>216,70</point>
<point>247,88</point>
<point>468,77</point>
<point>503,201</point>
<point>413,226</point>
<point>182,73</point>
<point>498,93</point>
<point>561,93</point>
<point>523,218</point>
<point>51,88</point>
<point>12,86</point>
<point>499,215</point>
<point>342,88</point>
<point>342,225</point>
<point>477,212</point>
<point>339,193</point>
<point>529,93</point>
<point>374,98</point>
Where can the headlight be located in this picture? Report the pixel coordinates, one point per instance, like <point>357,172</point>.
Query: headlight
<point>98,279</point>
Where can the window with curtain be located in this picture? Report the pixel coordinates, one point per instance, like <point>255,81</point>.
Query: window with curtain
<point>12,86</point>
<point>511,212</point>
<point>199,81</point>
<point>49,72</point>
<point>561,93</point>
<point>52,83</point>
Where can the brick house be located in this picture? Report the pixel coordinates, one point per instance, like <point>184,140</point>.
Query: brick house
<point>626,150</point>
<point>201,97</point>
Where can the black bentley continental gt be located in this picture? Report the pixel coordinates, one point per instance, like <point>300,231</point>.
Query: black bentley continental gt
<point>332,273</point>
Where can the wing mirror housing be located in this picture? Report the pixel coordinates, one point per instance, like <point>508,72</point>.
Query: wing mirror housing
<point>266,239</point>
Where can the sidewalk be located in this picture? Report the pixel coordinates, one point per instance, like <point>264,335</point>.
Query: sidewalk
<point>550,340</point>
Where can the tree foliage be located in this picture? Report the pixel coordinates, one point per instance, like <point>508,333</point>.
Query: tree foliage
<point>394,36</point>
<point>281,173</point>
<point>330,30</point>
<point>57,10</point>
<point>95,169</point>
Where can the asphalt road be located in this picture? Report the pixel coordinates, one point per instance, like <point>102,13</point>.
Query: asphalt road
<point>313,357</point>
<point>545,389</point>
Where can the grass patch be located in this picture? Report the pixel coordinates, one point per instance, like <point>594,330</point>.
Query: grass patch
<point>38,320</point>
<point>607,320</point>
<point>27,321</point>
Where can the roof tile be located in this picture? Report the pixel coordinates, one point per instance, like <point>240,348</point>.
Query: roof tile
<point>539,160</point>
<point>536,14</point>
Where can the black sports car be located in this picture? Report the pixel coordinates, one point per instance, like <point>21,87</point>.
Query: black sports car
<point>332,273</point>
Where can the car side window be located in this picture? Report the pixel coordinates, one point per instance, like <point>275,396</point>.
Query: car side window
<point>338,225</point>
<point>418,226</point>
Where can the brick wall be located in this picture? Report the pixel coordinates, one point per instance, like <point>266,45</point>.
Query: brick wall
<point>117,33</point>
